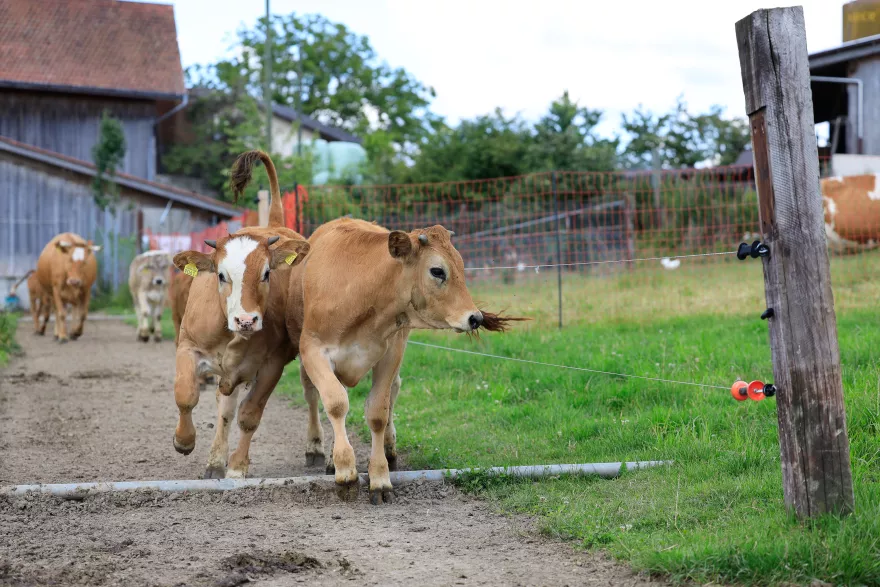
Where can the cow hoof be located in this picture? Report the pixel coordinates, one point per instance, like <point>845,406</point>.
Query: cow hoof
<point>63,340</point>
<point>183,449</point>
<point>380,496</point>
<point>157,339</point>
<point>348,491</point>
<point>315,460</point>
<point>236,474</point>
<point>215,472</point>
<point>331,468</point>
<point>143,338</point>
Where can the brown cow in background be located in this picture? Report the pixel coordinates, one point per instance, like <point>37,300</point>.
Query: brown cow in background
<point>66,270</point>
<point>852,212</point>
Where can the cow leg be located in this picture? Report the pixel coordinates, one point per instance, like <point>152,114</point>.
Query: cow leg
<point>335,399</point>
<point>315,434</point>
<point>377,410</point>
<point>45,312</point>
<point>79,315</point>
<point>60,317</point>
<point>186,394</point>
<point>235,353</point>
<point>390,432</point>
<point>157,322</point>
<point>250,412</point>
<point>143,310</point>
<point>35,314</point>
<point>216,468</point>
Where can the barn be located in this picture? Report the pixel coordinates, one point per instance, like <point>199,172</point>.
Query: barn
<point>63,64</point>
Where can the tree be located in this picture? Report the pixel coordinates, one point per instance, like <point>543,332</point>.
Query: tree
<point>682,139</point>
<point>326,71</point>
<point>226,121</point>
<point>486,147</point>
<point>565,139</point>
<point>107,153</point>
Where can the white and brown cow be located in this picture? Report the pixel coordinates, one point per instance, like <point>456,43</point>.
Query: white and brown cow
<point>234,323</point>
<point>66,270</point>
<point>852,212</point>
<point>148,277</point>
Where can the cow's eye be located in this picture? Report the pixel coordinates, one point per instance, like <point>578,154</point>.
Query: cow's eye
<point>438,273</point>
<point>266,275</point>
<point>221,277</point>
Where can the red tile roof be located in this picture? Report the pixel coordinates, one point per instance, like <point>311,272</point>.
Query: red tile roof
<point>94,45</point>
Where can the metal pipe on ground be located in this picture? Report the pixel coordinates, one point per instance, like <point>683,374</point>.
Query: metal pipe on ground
<point>398,478</point>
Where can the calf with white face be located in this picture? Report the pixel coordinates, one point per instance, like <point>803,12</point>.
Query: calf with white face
<point>148,278</point>
<point>224,328</point>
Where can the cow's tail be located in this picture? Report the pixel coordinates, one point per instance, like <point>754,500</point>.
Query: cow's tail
<point>242,170</point>
<point>19,282</point>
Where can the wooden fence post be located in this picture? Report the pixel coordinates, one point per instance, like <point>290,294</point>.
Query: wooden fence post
<point>813,440</point>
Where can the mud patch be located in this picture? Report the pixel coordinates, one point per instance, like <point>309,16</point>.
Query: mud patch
<point>244,567</point>
<point>26,378</point>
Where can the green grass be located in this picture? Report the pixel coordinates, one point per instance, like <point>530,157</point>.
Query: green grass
<point>167,325</point>
<point>112,302</point>
<point>8,325</point>
<point>717,514</point>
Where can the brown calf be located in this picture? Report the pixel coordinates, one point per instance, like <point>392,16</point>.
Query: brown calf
<point>66,270</point>
<point>178,294</point>
<point>364,288</point>
<point>234,324</point>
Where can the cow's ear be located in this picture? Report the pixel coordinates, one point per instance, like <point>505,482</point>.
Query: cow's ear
<point>64,246</point>
<point>399,244</point>
<point>95,248</point>
<point>187,260</point>
<point>289,251</point>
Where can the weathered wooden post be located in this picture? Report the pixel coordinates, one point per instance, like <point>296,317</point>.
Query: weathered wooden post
<point>816,473</point>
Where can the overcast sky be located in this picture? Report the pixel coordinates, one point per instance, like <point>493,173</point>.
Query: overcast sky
<point>479,54</point>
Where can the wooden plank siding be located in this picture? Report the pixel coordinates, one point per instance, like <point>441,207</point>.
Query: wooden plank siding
<point>39,201</point>
<point>68,124</point>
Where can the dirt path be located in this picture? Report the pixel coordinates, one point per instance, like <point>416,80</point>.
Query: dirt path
<point>101,408</point>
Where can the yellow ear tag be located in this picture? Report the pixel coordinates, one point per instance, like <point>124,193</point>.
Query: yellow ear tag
<point>289,259</point>
<point>191,270</point>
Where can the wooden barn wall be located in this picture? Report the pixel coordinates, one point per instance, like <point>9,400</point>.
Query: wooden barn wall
<point>36,205</point>
<point>68,124</point>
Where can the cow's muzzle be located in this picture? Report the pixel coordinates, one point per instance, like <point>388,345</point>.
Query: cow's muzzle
<point>247,322</point>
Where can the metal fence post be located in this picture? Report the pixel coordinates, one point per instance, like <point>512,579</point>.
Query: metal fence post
<point>558,243</point>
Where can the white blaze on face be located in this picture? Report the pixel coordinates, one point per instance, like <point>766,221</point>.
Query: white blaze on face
<point>232,267</point>
<point>79,254</point>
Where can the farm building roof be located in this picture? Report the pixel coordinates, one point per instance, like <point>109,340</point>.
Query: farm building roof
<point>90,46</point>
<point>324,130</point>
<point>185,197</point>
<point>838,57</point>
